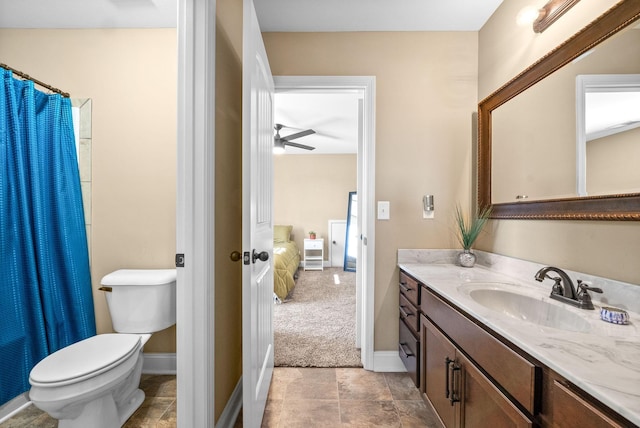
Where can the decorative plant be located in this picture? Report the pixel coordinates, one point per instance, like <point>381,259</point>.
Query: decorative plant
<point>469,230</point>
<point>312,234</point>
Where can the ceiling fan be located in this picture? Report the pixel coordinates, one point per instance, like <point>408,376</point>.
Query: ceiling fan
<point>279,142</point>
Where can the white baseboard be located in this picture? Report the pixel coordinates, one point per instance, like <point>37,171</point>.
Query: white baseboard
<point>387,361</point>
<point>233,407</point>
<point>159,363</point>
<point>10,408</point>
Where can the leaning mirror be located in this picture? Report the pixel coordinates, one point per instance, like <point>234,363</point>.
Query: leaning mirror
<point>533,159</point>
<point>351,242</point>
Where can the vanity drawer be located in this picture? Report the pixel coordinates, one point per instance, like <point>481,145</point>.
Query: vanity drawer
<point>409,314</point>
<point>410,288</point>
<point>409,352</point>
<point>517,376</point>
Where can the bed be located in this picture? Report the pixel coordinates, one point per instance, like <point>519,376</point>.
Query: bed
<point>286,256</point>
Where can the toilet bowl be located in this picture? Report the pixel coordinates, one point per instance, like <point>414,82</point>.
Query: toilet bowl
<point>95,382</point>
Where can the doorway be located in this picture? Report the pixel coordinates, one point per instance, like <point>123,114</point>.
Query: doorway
<point>365,87</point>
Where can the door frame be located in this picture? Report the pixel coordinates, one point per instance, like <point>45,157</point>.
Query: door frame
<point>365,278</point>
<point>195,213</point>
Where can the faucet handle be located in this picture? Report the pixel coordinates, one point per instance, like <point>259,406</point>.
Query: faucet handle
<point>583,287</point>
<point>584,298</point>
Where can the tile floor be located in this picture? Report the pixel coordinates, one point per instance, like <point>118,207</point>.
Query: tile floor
<point>299,397</point>
<point>344,397</point>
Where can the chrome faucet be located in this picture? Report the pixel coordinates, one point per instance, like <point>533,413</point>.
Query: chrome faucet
<point>563,289</point>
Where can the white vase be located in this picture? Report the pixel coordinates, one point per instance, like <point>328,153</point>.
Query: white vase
<point>466,258</point>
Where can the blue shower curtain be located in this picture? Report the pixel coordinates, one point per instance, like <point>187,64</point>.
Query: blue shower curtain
<point>46,299</point>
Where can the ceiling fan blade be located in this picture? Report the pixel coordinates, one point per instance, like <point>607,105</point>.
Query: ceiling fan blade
<point>299,134</point>
<point>300,146</point>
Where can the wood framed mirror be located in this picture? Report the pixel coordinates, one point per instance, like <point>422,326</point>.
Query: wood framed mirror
<point>624,206</point>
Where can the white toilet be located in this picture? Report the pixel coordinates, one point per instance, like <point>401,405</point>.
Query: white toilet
<point>94,382</point>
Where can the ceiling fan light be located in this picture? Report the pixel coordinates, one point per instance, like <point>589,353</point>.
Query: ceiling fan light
<point>278,147</point>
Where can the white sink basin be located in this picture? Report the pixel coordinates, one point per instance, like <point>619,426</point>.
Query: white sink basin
<point>530,309</point>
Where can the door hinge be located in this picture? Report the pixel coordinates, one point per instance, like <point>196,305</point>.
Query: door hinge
<point>179,260</point>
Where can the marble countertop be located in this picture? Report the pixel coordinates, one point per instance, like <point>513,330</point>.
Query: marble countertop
<point>604,362</point>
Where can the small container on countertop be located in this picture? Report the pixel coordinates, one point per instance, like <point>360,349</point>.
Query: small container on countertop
<point>614,315</point>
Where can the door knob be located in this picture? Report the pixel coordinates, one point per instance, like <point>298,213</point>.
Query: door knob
<point>235,256</point>
<point>263,256</point>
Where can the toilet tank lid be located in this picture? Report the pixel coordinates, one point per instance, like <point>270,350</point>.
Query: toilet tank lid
<point>140,277</point>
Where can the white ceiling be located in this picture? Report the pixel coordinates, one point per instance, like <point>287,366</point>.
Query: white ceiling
<point>332,116</point>
<point>274,15</point>
<point>374,15</point>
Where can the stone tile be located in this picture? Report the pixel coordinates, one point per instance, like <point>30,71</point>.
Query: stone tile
<point>150,412</point>
<point>272,414</point>
<point>303,383</point>
<point>402,387</point>
<point>303,389</point>
<point>159,385</point>
<point>309,414</point>
<point>170,418</point>
<point>417,414</point>
<point>277,388</point>
<point>317,374</point>
<point>366,413</point>
<point>359,384</point>
<point>30,417</point>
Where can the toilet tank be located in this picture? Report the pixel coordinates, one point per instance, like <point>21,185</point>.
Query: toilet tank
<point>141,300</point>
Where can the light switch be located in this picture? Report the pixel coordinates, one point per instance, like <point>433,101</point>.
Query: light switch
<point>383,210</point>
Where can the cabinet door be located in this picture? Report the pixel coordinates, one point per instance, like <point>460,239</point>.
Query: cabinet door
<point>483,405</point>
<point>438,376</point>
<point>569,410</point>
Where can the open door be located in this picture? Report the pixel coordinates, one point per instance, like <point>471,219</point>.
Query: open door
<point>257,221</point>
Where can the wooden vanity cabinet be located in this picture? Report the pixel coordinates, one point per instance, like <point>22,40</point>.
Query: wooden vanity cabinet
<point>409,331</point>
<point>459,392</point>
<point>472,377</point>
<point>514,374</point>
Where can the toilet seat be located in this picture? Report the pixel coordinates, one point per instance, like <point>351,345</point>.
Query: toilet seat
<point>84,359</point>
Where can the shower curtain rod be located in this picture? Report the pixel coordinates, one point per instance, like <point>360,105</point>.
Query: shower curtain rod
<point>37,82</point>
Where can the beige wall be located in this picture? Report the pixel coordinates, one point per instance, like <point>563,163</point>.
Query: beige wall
<point>310,190</point>
<point>426,86</point>
<point>607,249</point>
<point>228,201</point>
<point>612,163</point>
<point>130,76</point>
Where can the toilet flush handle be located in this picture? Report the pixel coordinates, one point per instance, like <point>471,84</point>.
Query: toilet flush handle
<point>107,289</point>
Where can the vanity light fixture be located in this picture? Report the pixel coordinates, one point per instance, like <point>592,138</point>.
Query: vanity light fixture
<point>527,15</point>
<point>550,12</point>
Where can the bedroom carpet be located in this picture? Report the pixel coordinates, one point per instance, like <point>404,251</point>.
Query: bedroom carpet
<point>315,326</point>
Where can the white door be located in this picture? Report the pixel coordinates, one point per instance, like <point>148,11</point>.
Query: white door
<point>257,221</point>
<point>338,234</point>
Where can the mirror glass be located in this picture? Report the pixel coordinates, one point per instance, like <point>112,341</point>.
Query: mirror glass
<point>351,241</point>
<point>608,130</point>
<point>537,152</point>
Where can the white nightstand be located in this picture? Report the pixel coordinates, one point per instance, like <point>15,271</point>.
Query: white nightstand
<point>313,254</point>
